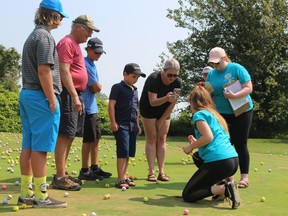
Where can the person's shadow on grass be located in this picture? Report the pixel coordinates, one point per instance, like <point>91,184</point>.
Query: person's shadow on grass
<point>173,201</point>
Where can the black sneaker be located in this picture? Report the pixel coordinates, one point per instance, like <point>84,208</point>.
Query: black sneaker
<point>100,172</point>
<point>231,192</point>
<point>49,203</point>
<point>89,176</point>
<point>28,200</point>
<point>218,197</point>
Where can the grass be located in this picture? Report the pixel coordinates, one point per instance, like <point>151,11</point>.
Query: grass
<point>265,155</point>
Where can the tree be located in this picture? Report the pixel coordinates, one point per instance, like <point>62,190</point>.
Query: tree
<point>254,34</point>
<point>9,111</point>
<point>10,68</point>
<point>103,114</point>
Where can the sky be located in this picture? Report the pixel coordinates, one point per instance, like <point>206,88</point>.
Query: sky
<point>131,31</point>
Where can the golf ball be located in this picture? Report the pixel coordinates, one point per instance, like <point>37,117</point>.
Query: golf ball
<point>186,212</point>
<point>15,208</point>
<point>123,188</point>
<point>93,214</point>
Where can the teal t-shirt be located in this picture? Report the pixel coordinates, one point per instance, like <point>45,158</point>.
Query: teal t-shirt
<point>220,147</point>
<point>219,78</point>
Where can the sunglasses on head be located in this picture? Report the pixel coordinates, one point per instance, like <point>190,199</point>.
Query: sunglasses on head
<point>172,75</point>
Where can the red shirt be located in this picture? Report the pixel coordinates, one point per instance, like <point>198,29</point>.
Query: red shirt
<point>70,52</point>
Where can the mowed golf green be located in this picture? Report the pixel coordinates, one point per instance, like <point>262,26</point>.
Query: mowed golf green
<point>267,193</point>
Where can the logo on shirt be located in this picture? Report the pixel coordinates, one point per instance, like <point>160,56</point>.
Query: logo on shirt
<point>227,76</point>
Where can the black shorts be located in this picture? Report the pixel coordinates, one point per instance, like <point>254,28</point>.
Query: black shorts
<point>125,143</point>
<point>70,121</point>
<point>92,130</point>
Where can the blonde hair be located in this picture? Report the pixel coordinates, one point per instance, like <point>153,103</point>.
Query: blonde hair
<point>201,100</point>
<point>46,17</point>
<point>226,58</point>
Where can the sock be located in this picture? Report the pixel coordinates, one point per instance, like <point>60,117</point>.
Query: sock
<point>40,188</point>
<point>85,170</point>
<point>94,167</point>
<point>26,186</point>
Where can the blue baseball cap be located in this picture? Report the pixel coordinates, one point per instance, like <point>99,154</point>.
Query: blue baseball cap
<point>55,5</point>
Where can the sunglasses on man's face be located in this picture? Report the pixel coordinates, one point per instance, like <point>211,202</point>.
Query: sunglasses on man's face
<point>98,53</point>
<point>172,75</point>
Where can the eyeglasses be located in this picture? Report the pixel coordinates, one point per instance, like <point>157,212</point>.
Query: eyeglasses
<point>98,53</point>
<point>172,75</point>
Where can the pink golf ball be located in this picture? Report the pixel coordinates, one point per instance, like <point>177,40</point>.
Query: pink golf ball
<point>186,212</point>
<point>4,187</point>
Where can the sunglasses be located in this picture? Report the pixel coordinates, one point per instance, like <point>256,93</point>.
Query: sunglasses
<point>212,63</point>
<point>98,53</point>
<point>172,75</point>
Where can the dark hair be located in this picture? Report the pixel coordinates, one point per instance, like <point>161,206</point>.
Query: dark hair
<point>46,16</point>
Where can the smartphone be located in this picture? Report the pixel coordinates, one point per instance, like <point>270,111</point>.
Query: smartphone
<point>177,91</point>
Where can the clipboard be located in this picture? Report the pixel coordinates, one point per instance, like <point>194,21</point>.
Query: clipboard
<point>238,105</point>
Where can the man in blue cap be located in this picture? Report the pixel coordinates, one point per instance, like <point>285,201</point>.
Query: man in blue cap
<point>39,105</point>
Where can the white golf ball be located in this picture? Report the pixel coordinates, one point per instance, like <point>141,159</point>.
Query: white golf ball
<point>66,194</point>
<point>93,214</point>
<point>9,197</point>
<point>123,188</point>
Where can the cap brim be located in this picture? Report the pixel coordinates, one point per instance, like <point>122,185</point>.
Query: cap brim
<point>64,14</point>
<point>214,60</point>
<point>93,28</point>
<point>139,73</point>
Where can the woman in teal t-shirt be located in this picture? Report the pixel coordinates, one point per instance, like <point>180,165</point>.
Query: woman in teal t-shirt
<point>239,126</point>
<point>213,143</point>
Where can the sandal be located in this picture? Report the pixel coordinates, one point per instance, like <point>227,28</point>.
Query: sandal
<point>121,184</point>
<point>152,177</point>
<point>130,182</point>
<point>243,184</point>
<point>163,177</point>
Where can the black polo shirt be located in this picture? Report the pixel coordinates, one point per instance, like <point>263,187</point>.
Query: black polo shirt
<point>126,107</point>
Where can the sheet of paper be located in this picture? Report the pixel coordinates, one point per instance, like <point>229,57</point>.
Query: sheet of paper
<point>236,103</point>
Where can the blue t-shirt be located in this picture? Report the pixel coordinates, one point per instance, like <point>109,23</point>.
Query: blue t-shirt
<point>220,147</point>
<point>89,97</point>
<point>219,78</point>
<point>126,107</point>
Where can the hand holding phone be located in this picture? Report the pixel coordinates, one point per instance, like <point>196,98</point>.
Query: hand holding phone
<point>177,91</point>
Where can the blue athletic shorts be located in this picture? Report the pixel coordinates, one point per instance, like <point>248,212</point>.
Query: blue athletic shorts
<point>39,125</point>
<point>125,143</point>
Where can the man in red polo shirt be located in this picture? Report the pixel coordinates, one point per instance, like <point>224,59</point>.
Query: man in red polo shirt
<point>74,80</point>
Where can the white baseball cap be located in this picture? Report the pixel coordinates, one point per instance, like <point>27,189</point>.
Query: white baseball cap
<point>216,54</point>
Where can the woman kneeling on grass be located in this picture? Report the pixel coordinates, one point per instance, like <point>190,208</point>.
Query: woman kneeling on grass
<point>220,160</point>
